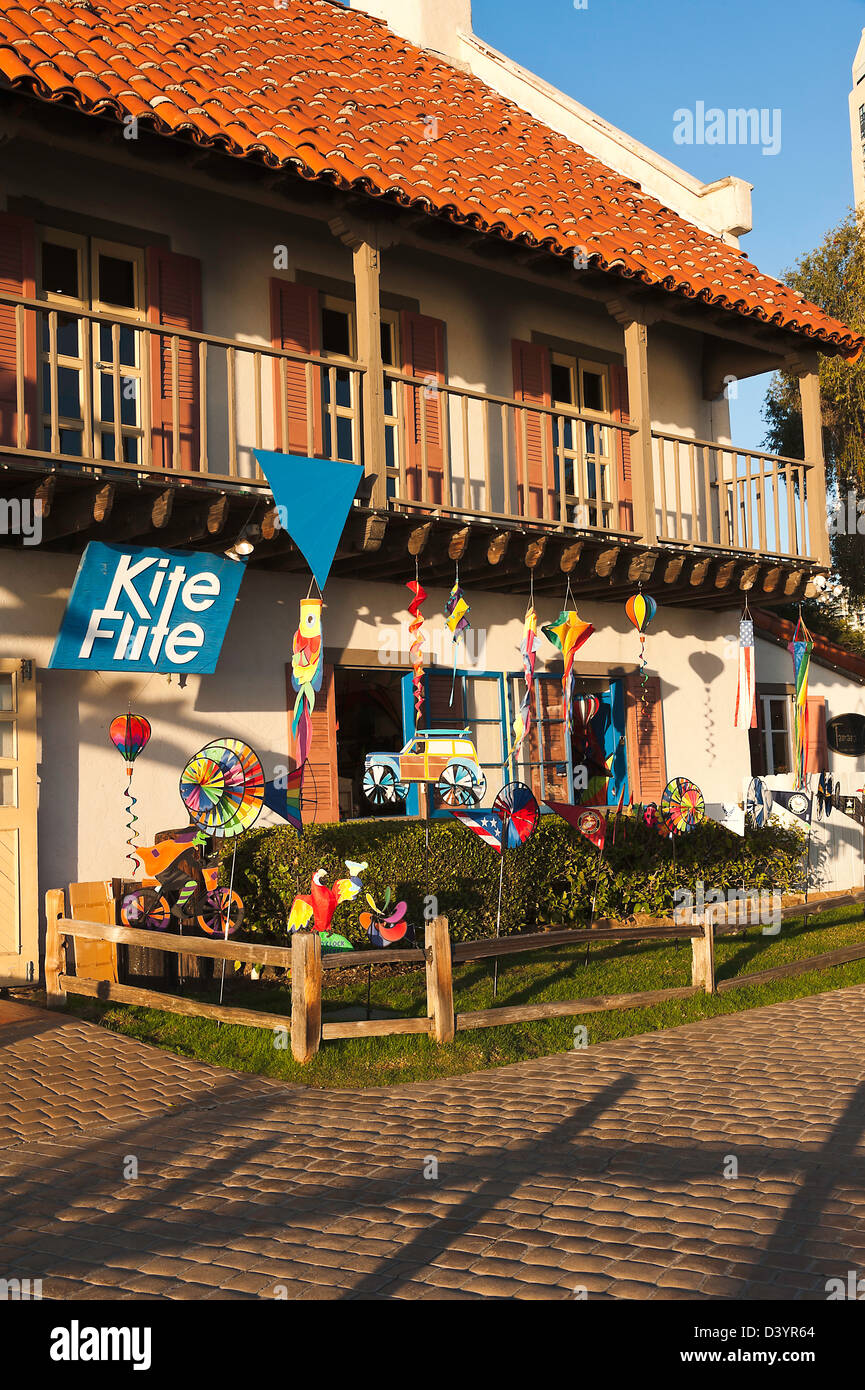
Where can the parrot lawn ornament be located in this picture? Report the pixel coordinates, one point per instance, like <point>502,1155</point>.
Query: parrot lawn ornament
<point>314,911</point>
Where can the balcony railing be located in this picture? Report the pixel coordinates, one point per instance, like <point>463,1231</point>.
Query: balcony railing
<point>710,494</point>
<point>83,388</point>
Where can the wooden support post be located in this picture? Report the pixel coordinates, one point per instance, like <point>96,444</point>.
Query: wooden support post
<point>812,429</point>
<point>305,995</point>
<point>703,957</point>
<point>440,980</point>
<point>642,447</point>
<point>367,297</point>
<point>55,953</point>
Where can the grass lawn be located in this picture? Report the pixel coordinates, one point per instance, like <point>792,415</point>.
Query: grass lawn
<point>613,968</point>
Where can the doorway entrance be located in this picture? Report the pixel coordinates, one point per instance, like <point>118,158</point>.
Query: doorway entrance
<point>19,894</point>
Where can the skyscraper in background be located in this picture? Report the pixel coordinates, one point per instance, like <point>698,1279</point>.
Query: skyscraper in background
<point>857,124</point>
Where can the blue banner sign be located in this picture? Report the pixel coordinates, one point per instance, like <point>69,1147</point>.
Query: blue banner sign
<point>137,609</point>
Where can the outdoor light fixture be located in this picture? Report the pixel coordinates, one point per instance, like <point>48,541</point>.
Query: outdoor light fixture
<point>240,550</point>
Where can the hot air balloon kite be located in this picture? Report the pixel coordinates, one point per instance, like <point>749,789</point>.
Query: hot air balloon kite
<point>130,734</point>
<point>641,609</point>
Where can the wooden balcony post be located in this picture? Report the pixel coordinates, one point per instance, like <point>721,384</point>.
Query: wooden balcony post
<point>812,430</point>
<point>642,455</point>
<point>367,277</point>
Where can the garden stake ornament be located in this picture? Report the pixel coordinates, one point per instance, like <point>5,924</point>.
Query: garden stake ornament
<point>130,734</point>
<point>307,669</point>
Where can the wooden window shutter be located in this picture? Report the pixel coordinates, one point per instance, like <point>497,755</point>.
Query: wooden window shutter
<point>295,327</point>
<point>534,433</point>
<point>174,300</point>
<point>423,355</point>
<point>620,412</point>
<point>647,763</point>
<point>321,784</point>
<point>17,277</point>
<point>817,755</point>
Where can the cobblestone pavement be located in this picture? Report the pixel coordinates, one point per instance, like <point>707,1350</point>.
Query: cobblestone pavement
<point>602,1169</point>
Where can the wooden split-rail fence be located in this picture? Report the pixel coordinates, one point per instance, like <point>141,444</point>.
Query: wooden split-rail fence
<point>308,964</point>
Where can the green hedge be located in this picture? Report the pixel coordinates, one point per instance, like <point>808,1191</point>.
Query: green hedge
<point>550,880</point>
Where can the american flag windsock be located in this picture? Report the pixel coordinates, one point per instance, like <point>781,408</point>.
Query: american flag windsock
<point>746,691</point>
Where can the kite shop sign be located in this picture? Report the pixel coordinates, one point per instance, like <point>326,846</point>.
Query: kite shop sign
<point>146,610</point>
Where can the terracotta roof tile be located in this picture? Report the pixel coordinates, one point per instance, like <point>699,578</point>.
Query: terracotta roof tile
<point>331,92</point>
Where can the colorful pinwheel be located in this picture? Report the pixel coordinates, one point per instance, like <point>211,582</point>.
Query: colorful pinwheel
<point>416,649</point>
<point>457,623</point>
<point>307,669</point>
<point>130,734</point>
<point>682,805</point>
<point>519,812</point>
<point>758,802</point>
<point>800,649</point>
<point>641,609</point>
<point>385,925</point>
<point>222,788</point>
<point>568,633</point>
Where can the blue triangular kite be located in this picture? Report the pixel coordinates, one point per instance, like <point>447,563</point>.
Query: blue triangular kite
<point>315,496</point>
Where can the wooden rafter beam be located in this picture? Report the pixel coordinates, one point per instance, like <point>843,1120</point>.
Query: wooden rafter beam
<point>78,511</point>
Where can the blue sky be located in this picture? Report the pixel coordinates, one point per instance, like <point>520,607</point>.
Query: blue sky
<point>636,62</point>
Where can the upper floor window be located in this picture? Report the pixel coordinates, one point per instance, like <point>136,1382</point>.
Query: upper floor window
<point>583,448</point>
<point>340,386</point>
<point>91,372</point>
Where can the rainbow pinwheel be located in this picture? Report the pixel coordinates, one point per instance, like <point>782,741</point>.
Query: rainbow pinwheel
<point>222,788</point>
<point>457,623</point>
<point>682,805</point>
<point>641,609</point>
<point>800,649</point>
<point>568,633</point>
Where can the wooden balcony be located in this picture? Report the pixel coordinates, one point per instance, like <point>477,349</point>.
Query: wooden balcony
<point>123,404</point>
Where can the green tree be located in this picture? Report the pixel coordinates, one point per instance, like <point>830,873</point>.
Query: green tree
<point>832,276</point>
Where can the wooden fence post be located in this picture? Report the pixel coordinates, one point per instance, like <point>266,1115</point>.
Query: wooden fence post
<point>440,980</point>
<point>55,963</point>
<point>305,995</point>
<point>703,956</point>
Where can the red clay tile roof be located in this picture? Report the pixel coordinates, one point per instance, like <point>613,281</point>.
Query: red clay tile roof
<point>332,94</point>
<point>825,652</point>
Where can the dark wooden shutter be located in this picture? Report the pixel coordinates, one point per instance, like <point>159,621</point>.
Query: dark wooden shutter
<point>534,432</point>
<point>174,300</point>
<point>17,277</point>
<point>441,714</point>
<point>620,412</point>
<point>647,763</point>
<point>295,327</point>
<point>423,355</point>
<point>321,783</point>
<point>817,758</point>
